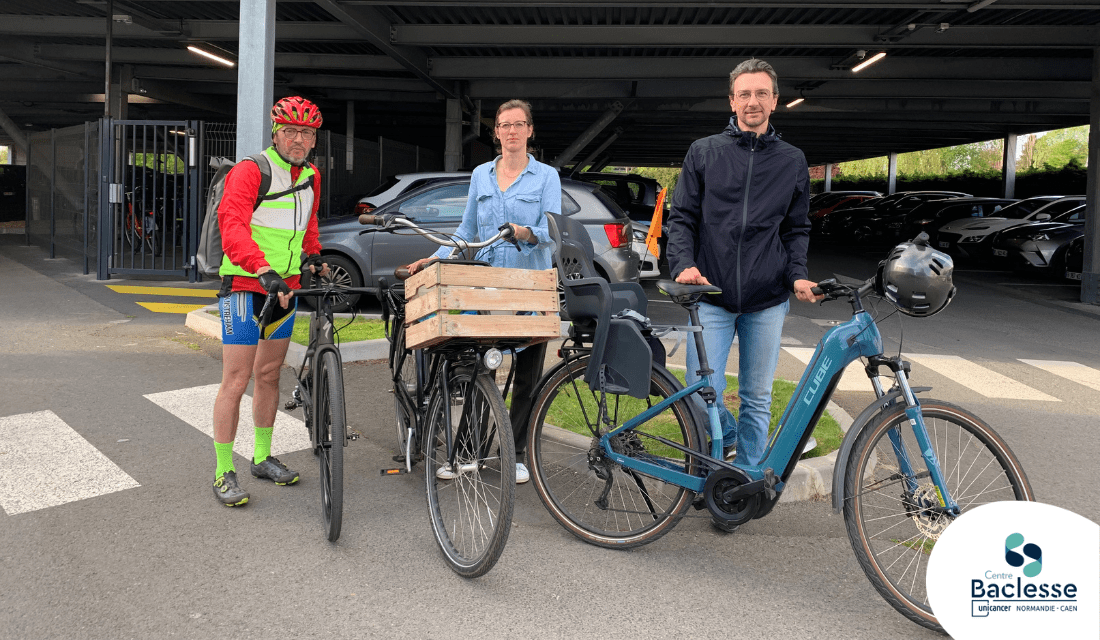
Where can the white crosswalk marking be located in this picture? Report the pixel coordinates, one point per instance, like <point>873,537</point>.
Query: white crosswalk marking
<point>1074,371</point>
<point>853,379</point>
<point>195,406</point>
<point>977,378</point>
<point>46,463</point>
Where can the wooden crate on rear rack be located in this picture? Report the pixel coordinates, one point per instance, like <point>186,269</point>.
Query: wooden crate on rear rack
<point>433,293</point>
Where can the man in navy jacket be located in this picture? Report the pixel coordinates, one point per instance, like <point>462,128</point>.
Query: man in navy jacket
<point>739,222</point>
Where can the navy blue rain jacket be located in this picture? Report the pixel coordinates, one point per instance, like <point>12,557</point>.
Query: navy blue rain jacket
<point>739,215</point>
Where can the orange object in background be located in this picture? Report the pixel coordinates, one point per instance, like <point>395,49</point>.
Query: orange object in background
<point>655,225</point>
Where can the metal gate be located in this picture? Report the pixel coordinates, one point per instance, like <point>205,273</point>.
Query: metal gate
<point>152,197</point>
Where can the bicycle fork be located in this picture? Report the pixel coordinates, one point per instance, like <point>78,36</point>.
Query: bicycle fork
<point>900,370</point>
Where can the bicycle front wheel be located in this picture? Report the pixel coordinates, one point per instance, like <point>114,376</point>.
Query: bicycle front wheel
<point>891,526</point>
<point>470,501</point>
<point>595,499</point>
<point>332,434</point>
<point>404,367</point>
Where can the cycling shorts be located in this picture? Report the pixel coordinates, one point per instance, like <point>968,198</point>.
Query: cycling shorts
<point>241,323</point>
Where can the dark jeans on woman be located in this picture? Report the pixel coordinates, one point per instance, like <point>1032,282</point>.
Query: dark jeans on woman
<point>528,372</point>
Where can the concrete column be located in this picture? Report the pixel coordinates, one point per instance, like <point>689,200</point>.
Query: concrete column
<point>452,153</point>
<point>589,134</point>
<point>828,176</point>
<point>892,175</point>
<point>349,162</point>
<point>255,76</point>
<point>1090,274</point>
<point>1008,166</point>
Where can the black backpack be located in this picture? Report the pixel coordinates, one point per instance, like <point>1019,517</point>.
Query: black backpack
<point>209,254</point>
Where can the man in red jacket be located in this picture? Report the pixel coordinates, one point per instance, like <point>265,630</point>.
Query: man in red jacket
<point>263,248</point>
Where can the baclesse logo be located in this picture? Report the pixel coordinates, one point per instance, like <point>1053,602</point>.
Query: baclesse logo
<point>1017,570</point>
<point>1030,550</point>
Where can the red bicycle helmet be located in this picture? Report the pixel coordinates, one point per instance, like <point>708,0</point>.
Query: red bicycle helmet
<point>297,111</point>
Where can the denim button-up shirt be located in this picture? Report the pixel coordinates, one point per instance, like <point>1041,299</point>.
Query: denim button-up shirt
<point>535,191</point>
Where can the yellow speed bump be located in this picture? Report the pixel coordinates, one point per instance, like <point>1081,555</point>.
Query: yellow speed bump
<point>164,291</point>
<point>171,307</point>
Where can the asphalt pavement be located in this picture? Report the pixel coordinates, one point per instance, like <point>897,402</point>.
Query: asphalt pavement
<point>160,558</point>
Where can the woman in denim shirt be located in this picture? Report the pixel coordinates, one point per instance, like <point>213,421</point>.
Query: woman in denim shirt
<point>517,189</point>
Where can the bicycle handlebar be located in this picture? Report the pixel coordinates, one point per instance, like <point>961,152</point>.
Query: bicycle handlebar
<point>390,222</point>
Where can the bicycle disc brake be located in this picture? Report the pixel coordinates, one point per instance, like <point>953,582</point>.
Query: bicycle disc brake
<point>923,506</point>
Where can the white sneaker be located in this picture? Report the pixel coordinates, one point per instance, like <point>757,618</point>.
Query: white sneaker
<point>522,475</point>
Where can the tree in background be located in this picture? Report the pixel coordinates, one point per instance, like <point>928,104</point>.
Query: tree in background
<point>1027,153</point>
<point>1057,148</point>
<point>4,159</point>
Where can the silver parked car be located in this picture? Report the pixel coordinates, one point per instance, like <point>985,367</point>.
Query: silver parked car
<point>394,186</point>
<point>359,260</point>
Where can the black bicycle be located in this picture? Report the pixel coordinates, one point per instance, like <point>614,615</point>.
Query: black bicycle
<point>320,394</point>
<point>451,415</point>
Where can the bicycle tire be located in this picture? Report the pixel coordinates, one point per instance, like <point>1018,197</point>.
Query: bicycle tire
<point>564,476</point>
<point>471,513</point>
<point>892,548</point>
<point>332,427</point>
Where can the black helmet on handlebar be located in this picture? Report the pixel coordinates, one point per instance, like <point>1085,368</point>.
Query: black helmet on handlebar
<point>916,278</point>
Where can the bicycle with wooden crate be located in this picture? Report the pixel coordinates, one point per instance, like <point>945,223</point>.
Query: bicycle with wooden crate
<point>449,410</point>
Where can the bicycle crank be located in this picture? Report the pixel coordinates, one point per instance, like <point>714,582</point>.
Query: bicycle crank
<point>730,501</point>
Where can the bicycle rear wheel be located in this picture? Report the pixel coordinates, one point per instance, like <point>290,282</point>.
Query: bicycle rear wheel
<point>571,474</point>
<point>332,434</point>
<point>470,502</point>
<point>893,529</point>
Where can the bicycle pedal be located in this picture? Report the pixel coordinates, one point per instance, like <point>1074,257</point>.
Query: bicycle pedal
<point>291,405</point>
<point>354,435</point>
<point>394,472</point>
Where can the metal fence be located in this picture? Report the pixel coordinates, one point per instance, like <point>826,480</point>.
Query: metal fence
<point>127,197</point>
<point>63,192</point>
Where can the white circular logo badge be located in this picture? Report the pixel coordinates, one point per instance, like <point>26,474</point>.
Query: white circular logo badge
<point>1017,570</point>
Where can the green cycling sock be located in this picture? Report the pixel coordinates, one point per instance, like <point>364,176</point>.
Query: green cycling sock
<point>225,458</point>
<point>263,445</point>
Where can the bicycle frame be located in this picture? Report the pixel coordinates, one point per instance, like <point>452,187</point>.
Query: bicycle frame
<point>839,347</point>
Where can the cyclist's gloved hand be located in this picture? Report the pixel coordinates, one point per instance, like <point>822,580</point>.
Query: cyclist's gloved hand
<point>314,262</point>
<point>272,283</point>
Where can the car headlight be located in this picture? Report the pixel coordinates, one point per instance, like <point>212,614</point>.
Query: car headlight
<point>970,239</point>
<point>924,221</point>
<point>1038,237</point>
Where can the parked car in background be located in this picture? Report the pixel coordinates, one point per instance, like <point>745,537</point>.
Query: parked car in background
<point>359,260</point>
<point>931,215</point>
<point>1075,259</point>
<point>393,186</point>
<point>858,225</point>
<point>637,195</point>
<point>825,205</point>
<point>972,239</point>
<point>1040,246</point>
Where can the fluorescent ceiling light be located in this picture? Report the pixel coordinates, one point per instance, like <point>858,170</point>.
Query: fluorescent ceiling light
<point>213,57</point>
<point>868,62</point>
<point>795,102</point>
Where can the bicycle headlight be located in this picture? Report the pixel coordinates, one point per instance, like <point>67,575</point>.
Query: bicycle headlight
<point>493,359</point>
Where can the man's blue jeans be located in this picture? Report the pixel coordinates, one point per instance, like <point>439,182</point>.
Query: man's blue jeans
<point>758,336</point>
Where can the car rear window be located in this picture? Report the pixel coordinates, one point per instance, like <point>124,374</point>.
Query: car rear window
<point>386,185</point>
<point>569,206</point>
<point>606,200</point>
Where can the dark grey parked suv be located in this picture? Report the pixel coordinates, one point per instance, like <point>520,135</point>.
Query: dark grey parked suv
<point>360,260</point>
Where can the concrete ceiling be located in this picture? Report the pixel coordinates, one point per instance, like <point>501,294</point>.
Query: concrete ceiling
<point>955,71</point>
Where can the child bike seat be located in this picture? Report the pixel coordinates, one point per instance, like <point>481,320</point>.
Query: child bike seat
<point>590,300</point>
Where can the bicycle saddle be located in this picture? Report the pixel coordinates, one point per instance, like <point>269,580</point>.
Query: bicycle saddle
<point>685,293</point>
